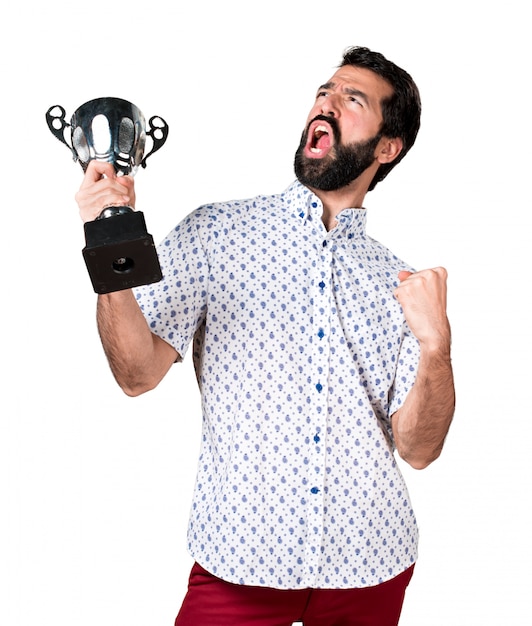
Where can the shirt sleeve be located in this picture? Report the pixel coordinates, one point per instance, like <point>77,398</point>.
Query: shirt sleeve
<point>405,377</point>
<point>175,307</point>
<point>405,374</point>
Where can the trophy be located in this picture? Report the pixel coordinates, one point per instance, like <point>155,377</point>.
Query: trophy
<point>119,252</point>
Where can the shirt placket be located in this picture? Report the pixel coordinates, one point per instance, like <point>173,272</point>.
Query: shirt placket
<point>319,391</point>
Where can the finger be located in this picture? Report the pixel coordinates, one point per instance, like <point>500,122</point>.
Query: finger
<point>404,274</point>
<point>96,170</point>
<point>108,193</point>
<point>127,182</point>
<point>442,272</point>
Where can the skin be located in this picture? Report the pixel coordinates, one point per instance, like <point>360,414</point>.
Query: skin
<point>139,359</point>
<point>353,96</point>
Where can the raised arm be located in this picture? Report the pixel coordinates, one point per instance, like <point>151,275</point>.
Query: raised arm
<point>138,359</point>
<point>421,424</point>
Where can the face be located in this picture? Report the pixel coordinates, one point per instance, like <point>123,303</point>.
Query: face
<point>343,129</point>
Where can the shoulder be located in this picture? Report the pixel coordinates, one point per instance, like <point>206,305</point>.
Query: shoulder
<point>387,257</point>
<point>230,212</point>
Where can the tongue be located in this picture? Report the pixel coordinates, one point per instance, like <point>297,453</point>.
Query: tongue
<point>323,142</point>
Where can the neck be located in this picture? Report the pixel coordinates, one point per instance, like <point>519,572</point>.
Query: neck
<point>349,197</point>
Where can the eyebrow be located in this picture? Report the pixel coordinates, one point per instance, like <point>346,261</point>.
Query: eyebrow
<point>348,90</point>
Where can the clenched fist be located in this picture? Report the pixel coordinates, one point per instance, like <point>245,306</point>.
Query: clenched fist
<point>423,297</point>
<point>102,188</point>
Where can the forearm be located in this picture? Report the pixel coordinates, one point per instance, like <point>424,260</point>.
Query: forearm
<point>138,359</point>
<point>421,424</point>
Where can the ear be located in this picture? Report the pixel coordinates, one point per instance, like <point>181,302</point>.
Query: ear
<point>389,149</point>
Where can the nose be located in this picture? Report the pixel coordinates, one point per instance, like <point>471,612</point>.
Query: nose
<point>330,106</point>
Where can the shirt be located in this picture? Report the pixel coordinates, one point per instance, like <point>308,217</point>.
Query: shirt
<point>302,355</point>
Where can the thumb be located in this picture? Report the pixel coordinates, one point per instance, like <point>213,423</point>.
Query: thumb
<point>97,170</point>
<point>404,274</point>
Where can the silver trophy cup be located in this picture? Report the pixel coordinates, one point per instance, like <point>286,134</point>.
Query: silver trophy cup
<point>119,252</point>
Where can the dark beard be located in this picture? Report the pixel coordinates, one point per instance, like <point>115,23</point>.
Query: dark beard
<point>340,167</point>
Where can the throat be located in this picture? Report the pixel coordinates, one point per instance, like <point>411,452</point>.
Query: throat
<point>321,143</point>
<point>328,217</point>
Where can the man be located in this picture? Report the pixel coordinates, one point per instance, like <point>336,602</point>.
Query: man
<point>317,353</point>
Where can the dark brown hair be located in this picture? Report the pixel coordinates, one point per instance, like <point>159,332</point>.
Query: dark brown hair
<point>401,112</point>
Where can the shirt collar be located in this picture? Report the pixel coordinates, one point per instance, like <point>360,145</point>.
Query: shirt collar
<point>351,222</point>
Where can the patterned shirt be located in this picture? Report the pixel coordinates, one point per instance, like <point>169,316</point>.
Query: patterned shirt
<point>302,355</point>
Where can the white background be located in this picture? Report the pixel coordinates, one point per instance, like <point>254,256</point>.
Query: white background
<point>95,487</point>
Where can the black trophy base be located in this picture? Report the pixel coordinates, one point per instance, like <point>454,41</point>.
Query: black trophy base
<point>120,254</point>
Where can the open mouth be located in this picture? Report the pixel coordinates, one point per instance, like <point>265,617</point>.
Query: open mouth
<point>319,139</point>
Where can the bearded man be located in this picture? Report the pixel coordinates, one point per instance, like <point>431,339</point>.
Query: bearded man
<point>319,356</point>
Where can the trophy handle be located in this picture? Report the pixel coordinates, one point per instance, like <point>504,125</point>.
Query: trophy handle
<point>158,132</point>
<point>57,124</point>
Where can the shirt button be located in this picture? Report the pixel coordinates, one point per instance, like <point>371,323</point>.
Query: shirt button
<point>321,333</point>
<point>317,439</point>
<point>321,285</point>
<point>314,490</point>
<point>319,387</point>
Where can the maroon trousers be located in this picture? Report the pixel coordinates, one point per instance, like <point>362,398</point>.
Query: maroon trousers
<point>213,602</point>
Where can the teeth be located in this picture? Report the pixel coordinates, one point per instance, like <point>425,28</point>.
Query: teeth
<point>320,130</point>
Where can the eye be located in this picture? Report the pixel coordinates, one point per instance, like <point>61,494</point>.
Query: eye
<point>354,100</point>
<point>322,94</point>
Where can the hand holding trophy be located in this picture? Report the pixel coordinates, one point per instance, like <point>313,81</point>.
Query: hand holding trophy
<point>119,252</point>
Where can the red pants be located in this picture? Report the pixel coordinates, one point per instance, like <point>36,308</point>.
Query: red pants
<point>214,602</point>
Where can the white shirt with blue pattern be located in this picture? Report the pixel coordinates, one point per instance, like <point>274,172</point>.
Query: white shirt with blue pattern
<point>302,355</point>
